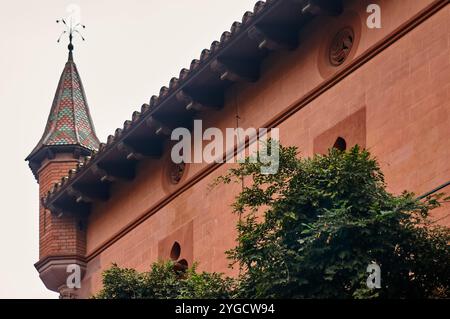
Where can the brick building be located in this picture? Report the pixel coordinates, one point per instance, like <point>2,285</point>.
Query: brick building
<point>314,69</point>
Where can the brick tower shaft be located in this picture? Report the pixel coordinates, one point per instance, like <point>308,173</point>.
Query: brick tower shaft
<point>68,137</point>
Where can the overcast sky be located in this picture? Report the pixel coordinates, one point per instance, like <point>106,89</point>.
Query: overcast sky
<point>132,48</point>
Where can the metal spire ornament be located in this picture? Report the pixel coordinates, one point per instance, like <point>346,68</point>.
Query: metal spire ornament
<point>72,26</point>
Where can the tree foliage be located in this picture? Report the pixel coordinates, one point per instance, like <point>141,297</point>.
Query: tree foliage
<point>311,230</point>
<point>163,281</point>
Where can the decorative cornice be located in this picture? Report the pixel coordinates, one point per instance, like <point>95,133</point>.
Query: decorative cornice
<point>51,258</point>
<point>53,269</point>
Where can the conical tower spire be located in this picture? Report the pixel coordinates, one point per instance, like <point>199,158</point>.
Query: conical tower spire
<point>69,125</point>
<point>68,136</point>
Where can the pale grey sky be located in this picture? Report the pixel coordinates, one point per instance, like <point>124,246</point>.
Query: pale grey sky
<point>132,48</point>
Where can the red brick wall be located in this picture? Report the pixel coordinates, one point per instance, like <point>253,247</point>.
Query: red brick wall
<point>58,235</point>
<point>405,92</point>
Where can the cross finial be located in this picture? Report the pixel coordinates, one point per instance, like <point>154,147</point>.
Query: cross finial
<point>72,26</point>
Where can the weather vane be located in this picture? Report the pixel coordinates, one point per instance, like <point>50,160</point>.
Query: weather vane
<point>72,24</point>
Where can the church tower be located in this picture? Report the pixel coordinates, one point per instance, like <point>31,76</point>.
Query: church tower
<point>69,136</point>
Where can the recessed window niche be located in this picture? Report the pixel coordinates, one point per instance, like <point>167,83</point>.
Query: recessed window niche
<point>343,135</point>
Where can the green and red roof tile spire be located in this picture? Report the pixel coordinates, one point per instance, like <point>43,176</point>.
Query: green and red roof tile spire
<point>69,126</point>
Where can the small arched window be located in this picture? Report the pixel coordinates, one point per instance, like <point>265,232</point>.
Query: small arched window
<point>175,252</point>
<point>340,144</point>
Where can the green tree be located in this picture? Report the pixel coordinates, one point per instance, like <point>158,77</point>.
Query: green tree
<point>311,229</point>
<point>163,281</point>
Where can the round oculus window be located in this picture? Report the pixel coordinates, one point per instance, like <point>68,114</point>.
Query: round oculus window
<point>341,45</point>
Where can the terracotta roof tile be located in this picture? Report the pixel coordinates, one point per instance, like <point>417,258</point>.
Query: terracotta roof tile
<point>69,122</point>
